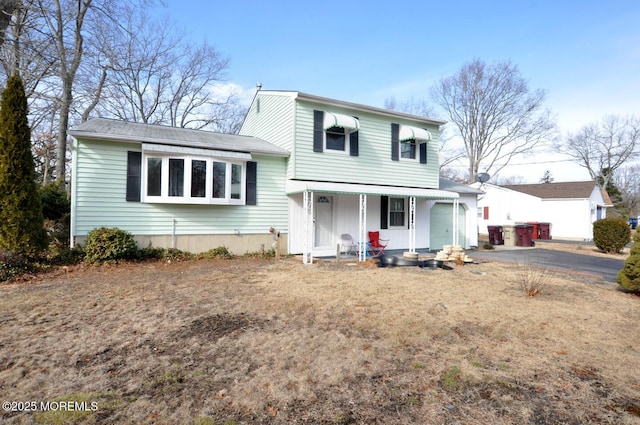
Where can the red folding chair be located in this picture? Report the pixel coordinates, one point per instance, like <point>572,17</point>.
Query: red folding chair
<point>377,245</point>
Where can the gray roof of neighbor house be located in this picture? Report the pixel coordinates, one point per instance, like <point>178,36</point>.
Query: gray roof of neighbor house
<point>564,190</point>
<point>122,131</point>
<point>453,186</point>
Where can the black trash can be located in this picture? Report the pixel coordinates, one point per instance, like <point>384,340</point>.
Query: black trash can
<point>524,233</point>
<point>495,235</point>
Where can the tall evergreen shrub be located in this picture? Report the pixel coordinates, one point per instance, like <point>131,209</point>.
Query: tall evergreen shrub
<point>629,276</point>
<point>21,222</point>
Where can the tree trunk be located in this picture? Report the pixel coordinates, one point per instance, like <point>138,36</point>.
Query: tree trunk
<point>61,151</point>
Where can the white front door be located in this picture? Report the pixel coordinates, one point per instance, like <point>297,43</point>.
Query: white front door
<point>323,234</point>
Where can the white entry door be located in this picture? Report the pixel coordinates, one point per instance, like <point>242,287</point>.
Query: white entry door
<point>323,221</point>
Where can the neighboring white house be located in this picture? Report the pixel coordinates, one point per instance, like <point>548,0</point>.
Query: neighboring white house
<point>312,168</point>
<point>570,207</point>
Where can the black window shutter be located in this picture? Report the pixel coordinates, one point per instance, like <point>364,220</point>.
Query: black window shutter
<point>423,153</point>
<point>134,173</point>
<point>353,143</point>
<point>384,212</point>
<point>252,180</point>
<point>318,131</point>
<point>395,142</point>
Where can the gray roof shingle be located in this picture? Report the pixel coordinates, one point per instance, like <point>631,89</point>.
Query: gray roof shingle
<point>563,190</point>
<point>116,130</point>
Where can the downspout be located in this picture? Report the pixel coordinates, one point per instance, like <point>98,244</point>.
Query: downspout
<point>173,233</point>
<point>74,185</point>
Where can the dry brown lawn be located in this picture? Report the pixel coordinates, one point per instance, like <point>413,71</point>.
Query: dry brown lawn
<point>248,341</point>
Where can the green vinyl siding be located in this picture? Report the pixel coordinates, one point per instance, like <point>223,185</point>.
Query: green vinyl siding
<point>271,118</point>
<point>373,165</point>
<point>100,199</point>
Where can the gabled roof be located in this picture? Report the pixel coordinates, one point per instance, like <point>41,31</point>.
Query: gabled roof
<point>350,105</point>
<point>122,131</point>
<point>453,186</point>
<point>564,190</point>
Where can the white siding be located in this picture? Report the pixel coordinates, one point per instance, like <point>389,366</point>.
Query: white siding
<point>569,218</point>
<point>346,213</point>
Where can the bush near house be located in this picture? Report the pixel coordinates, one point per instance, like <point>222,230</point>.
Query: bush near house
<point>629,276</point>
<point>109,244</point>
<point>611,234</point>
<point>55,203</point>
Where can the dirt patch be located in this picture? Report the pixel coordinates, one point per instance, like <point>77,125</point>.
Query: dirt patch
<point>217,326</point>
<point>250,341</point>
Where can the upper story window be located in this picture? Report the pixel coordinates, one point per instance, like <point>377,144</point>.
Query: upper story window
<point>409,143</point>
<point>408,149</point>
<point>336,139</point>
<point>334,132</point>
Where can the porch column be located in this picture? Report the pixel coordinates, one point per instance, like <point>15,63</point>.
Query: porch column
<point>412,224</point>
<point>307,245</point>
<point>362,228</point>
<point>456,205</point>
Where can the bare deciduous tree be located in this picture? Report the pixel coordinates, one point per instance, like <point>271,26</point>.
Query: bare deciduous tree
<point>7,7</point>
<point>155,76</point>
<point>627,180</point>
<point>494,112</point>
<point>65,23</point>
<point>604,147</point>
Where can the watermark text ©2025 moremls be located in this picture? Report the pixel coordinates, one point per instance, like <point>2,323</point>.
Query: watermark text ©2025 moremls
<point>47,406</point>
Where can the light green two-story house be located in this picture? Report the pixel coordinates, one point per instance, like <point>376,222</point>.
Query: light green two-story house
<point>354,168</point>
<point>309,167</point>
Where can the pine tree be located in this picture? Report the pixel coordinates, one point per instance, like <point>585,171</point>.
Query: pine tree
<point>547,177</point>
<point>21,222</point>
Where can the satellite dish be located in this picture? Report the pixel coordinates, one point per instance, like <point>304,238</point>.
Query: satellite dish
<point>483,177</point>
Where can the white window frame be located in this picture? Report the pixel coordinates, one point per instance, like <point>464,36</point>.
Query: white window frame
<point>416,151</point>
<point>404,211</point>
<point>208,199</point>
<point>347,138</point>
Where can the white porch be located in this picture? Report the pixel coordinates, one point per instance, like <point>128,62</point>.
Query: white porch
<point>321,211</point>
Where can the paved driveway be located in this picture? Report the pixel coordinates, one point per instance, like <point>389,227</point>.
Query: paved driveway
<point>606,268</point>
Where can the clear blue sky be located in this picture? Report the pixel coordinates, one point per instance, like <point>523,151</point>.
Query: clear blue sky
<point>585,54</point>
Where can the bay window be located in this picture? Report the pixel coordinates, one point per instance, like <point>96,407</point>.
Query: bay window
<point>171,178</point>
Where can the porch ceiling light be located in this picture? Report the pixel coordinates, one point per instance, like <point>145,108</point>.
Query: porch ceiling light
<point>414,133</point>
<point>338,120</point>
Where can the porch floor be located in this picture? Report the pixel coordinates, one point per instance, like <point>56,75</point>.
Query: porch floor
<point>423,254</point>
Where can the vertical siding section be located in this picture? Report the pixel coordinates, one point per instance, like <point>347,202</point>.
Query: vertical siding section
<point>373,165</point>
<point>100,199</point>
